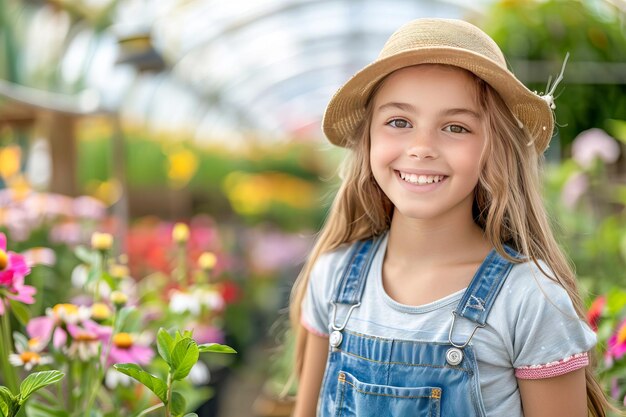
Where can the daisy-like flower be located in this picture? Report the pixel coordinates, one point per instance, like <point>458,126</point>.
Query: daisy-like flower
<point>13,269</point>
<point>86,341</point>
<point>29,353</point>
<point>128,348</point>
<point>56,320</point>
<point>617,343</point>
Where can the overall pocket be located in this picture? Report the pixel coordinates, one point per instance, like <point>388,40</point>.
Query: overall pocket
<point>359,399</point>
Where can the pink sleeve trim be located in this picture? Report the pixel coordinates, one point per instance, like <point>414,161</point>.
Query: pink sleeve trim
<point>552,369</point>
<point>311,329</point>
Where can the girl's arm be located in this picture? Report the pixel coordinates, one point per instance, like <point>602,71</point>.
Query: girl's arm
<point>314,364</point>
<point>564,395</point>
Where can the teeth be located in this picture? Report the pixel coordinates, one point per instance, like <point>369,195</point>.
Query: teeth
<point>420,179</point>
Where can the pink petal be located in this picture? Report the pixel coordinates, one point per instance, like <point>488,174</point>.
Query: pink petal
<point>142,354</point>
<point>3,242</point>
<point>6,277</point>
<point>18,264</point>
<point>59,338</point>
<point>24,295</point>
<point>41,328</point>
<point>118,355</point>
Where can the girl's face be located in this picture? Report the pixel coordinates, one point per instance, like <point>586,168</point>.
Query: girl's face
<point>427,137</point>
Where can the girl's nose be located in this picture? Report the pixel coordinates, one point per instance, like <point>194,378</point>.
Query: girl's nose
<point>422,146</point>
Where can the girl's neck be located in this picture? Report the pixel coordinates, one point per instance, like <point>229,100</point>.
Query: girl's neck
<point>435,242</point>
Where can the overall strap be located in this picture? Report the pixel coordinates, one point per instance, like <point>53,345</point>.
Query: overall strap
<point>352,283</point>
<point>481,294</point>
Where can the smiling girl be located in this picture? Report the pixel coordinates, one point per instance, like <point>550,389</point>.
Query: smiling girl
<point>436,287</point>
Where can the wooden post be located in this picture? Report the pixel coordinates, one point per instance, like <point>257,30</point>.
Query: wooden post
<point>59,128</point>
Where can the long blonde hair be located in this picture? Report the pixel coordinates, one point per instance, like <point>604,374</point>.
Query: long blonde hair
<point>507,206</point>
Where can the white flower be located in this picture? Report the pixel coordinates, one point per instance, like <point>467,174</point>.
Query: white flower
<point>210,298</point>
<point>29,356</point>
<point>200,374</point>
<point>181,302</point>
<point>113,378</point>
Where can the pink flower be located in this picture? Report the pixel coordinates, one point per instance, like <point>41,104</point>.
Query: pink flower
<point>86,340</point>
<point>617,343</point>
<point>574,188</point>
<point>13,269</point>
<point>51,325</point>
<point>126,348</point>
<point>592,144</point>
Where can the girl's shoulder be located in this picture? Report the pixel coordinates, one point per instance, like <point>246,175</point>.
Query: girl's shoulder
<point>333,261</point>
<point>533,283</point>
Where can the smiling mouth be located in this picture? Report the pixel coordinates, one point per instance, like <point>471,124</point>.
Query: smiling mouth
<point>421,179</point>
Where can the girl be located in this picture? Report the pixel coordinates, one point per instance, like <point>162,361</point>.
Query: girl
<point>436,286</point>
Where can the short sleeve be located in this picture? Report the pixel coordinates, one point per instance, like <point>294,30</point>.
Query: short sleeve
<point>548,338</point>
<point>316,302</point>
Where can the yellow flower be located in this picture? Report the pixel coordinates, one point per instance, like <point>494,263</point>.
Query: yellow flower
<point>180,234</point>
<point>207,260</point>
<point>123,340</point>
<point>101,241</point>
<point>119,298</point>
<point>100,311</point>
<point>119,271</point>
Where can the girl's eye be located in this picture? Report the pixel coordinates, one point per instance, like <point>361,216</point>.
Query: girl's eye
<point>455,129</point>
<point>399,123</point>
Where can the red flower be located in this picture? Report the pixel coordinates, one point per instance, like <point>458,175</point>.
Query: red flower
<point>595,312</point>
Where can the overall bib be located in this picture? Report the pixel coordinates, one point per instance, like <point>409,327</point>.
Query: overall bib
<point>368,376</point>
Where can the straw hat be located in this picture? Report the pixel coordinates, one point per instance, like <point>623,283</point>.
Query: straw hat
<point>439,41</point>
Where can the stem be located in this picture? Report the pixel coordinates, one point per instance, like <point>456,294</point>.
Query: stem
<point>168,406</point>
<point>149,410</point>
<point>8,371</point>
<point>98,265</point>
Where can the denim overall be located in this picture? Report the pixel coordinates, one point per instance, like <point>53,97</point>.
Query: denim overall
<point>372,376</point>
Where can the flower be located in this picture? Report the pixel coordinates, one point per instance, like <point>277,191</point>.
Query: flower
<point>11,264</point>
<point>207,261</point>
<point>592,144</point>
<point>51,325</point>
<point>180,233</point>
<point>29,354</point>
<point>86,341</point>
<point>101,241</point>
<point>124,349</point>
<point>182,301</point>
<point>595,311</point>
<point>13,269</point>
<point>119,299</point>
<point>574,188</point>
<point>617,343</point>
<point>100,312</point>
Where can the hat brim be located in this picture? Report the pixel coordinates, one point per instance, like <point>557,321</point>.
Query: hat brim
<point>347,107</point>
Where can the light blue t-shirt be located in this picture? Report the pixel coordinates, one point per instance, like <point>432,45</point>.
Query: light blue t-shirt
<point>532,331</point>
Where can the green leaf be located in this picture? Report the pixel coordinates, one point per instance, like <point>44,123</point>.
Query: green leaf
<point>215,348</point>
<point>34,409</point>
<point>165,344</point>
<point>153,383</point>
<point>85,255</point>
<point>20,311</point>
<point>36,381</point>
<point>191,415</point>
<point>184,357</point>
<point>7,402</point>
<point>178,404</point>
